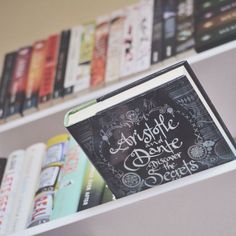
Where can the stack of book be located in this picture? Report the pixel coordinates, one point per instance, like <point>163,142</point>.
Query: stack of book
<point>215,23</point>
<point>46,182</point>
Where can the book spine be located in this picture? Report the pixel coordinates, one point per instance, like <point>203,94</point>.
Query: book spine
<point>70,83</point>
<point>35,75</point>
<point>18,83</point>
<point>68,195</point>
<point>9,192</point>
<point>107,195</point>
<point>98,66</point>
<point>203,6</point>
<point>129,41</point>
<point>185,26</point>
<point>203,16</point>
<point>3,162</point>
<point>92,189</point>
<point>143,35</point>
<point>9,63</point>
<point>215,37</point>
<point>85,56</point>
<point>157,33</point>
<point>169,27</point>
<point>114,51</point>
<point>61,64</point>
<point>34,157</point>
<point>217,21</point>
<point>47,83</point>
<point>48,180</point>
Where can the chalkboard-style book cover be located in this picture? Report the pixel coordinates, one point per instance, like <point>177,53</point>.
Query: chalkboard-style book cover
<point>153,131</point>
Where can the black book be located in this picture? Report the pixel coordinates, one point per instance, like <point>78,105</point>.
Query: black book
<point>156,130</point>
<point>8,67</point>
<point>185,26</point>
<point>169,27</point>
<point>3,162</point>
<point>61,64</point>
<point>206,5</point>
<point>157,33</point>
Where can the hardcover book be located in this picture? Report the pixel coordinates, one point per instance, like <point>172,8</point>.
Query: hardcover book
<point>8,67</point>
<point>85,56</point>
<point>72,68</point>
<point>68,194</point>
<point>185,26</point>
<point>169,27</point>
<point>92,188</point>
<point>17,86</point>
<point>10,190</point>
<point>35,76</point>
<point>98,66</point>
<point>49,71</point>
<point>114,51</point>
<point>157,33</point>
<point>153,131</point>
<point>61,64</point>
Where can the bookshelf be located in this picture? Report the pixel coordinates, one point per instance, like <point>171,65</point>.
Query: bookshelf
<point>195,205</point>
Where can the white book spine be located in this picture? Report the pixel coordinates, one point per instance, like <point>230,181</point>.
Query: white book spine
<point>129,41</point>
<point>10,188</point>
<point>34,158</point>
<point>144,35</point>
<point>114,50</point>
<point>73,58</point>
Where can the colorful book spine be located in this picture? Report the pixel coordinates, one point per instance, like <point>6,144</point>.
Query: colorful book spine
<point>144,35</point>
<point>72,67</point>
<point>129,40</point>
<point>114,51</point>
<point>18,82</point>
<point>92,189</point>
<point>48,179</point>
<point>33,161</point>
<point>8,67</point>
<point>61,64</point>
<point>98,66</point>
<point>185,26</point>
<point>85,56</point>
<point>35,75</point>
<point>169,27</point>
<point>157,33</point>
<point>10,189</point>
<point>68,195</point>
<point>47,83</point>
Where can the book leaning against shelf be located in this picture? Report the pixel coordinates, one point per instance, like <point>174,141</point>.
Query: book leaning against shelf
<point>153,131</point>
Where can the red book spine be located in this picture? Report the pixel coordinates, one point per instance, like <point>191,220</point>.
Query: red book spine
<point>98,68</point>
<point>47,83</point>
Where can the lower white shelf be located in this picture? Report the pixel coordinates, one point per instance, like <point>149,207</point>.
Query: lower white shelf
<point>199,205</point>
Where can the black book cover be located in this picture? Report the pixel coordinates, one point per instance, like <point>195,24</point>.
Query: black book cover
<point>169,27</point>
<point>157,33</point>
<point>61,64</point>
<point>185,25</point>
<point>3,162</point>
<point>161,135</point>
<point>8,67</point>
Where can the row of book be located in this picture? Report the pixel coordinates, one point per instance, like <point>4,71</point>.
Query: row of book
<point>46,182</point>
<point>110,48</point>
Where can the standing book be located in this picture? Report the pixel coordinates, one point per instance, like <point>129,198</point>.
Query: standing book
<point>68,194</point>
<point>35,76</point>
<point>98,66</point>
<point>153,131</point>
<point>18,83</point>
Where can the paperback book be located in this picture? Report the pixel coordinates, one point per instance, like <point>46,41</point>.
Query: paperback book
<point>153,131</point>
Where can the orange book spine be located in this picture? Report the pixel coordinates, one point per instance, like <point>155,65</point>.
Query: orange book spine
<point>47,83</point>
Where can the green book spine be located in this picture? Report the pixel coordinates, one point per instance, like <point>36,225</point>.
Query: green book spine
<point>92,190</point>
<point>68,195</point>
